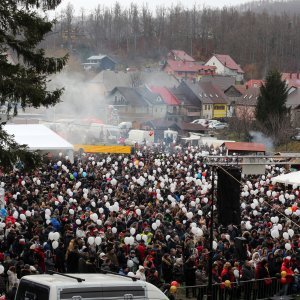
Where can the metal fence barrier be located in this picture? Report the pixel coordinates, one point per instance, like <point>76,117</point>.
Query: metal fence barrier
<point>257,289</point>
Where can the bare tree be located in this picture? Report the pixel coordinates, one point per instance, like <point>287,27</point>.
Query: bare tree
<point>136,79</point>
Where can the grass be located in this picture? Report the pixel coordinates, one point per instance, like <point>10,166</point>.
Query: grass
<point>293,146</point>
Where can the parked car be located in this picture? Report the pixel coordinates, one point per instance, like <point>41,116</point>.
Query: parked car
<point>296,137</point>
<point>202,122</point>
<point>219,126</point>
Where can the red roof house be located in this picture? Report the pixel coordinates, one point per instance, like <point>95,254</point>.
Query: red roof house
<point>292,79</point>
<point>180,55</point>
<point>168,97</point>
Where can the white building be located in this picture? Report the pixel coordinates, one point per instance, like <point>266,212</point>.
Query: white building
<point>226,66</point>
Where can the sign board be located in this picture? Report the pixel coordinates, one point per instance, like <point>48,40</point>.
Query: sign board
<point>253,166</point>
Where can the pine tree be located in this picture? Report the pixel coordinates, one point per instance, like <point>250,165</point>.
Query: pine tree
<point>24,84</point>
<point>271,108</point>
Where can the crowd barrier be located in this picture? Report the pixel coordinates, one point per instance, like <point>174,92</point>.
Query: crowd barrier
<point>257,289</point>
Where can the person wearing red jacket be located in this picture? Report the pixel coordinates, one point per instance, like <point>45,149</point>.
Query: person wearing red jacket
<point>286,267</point>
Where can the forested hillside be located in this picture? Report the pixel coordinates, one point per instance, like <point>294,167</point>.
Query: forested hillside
<point>256,38</point>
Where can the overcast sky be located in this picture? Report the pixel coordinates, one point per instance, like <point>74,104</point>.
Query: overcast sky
<point>90,4</point>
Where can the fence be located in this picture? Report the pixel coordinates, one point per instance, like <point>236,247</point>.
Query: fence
<point>243,290</point>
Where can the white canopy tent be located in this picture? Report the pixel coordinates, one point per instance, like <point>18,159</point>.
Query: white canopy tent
<point>292,178</point>
<point>39,137</point>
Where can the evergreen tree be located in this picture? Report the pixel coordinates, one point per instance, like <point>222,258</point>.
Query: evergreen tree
<point>271,110</point>
<point>24,84</point>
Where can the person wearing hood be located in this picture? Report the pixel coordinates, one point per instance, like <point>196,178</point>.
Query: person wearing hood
<point>140,273</point>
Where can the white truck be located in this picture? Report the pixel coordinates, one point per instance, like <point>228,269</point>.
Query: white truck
<point>86,287</point>
<point>140,136</point>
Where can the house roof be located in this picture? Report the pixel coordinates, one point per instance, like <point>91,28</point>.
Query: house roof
<point>161,124</point>
<point>292,79</point>
<point>249,98</point>
<point>228,62</point>
<point>131,96</point>
<point>168,97</point>
<point>207,92</point>
<point>223,82</point>
<point>248,147</point>
<point>293,99</point>
<point>100,57</point>
<point>149,96</point>
<point>255,83</point>
<point>180,66</point>
<point>182,55</point>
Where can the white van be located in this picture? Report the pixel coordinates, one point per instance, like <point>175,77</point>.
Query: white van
<point>86,287</point>
<point>140,137</point>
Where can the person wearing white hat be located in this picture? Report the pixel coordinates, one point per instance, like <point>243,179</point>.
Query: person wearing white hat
<point>140,273</point>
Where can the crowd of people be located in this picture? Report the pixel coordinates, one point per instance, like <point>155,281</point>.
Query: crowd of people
<point>145,215</point>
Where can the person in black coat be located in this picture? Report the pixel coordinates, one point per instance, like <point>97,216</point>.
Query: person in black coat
<point>167,268</point>
<point>73,260</point>
<point>190,275</point>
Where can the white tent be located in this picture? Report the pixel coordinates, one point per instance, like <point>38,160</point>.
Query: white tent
<point>39,137</point>
<point>290,178</point>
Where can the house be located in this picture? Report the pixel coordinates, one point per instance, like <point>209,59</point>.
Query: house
<point>226,66</point>
<point>99,62</point>
<point>180,55</point>
<point>293,103</point>
<point>246,104</point>
<point>292,79</point>
<point>187,70</point>
<point>209,98</point>
<point>136,104</point>
<point>158,108</point>
<point>172,102</point>
<point>129,104</point>
<point>243,148</point>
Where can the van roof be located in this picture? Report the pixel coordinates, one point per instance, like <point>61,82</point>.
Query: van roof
<point>96,279</point>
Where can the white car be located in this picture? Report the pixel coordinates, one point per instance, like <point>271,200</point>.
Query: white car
<point>202,122</point>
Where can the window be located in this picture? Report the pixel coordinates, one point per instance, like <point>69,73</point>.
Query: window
<point>32,291</point>
<point>219,107</point>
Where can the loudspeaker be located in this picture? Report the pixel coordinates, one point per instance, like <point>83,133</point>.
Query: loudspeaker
<point>228,196</point>
<point>240,248</point>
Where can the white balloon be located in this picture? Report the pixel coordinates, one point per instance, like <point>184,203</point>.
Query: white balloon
<point>50,236</point>
<point>98,240</point>
<point>94,217</point>
<point>132,231</point>
<point>189,215</point>
<point>101,210</point>
<point>71,211</point>
<point>288,246</point>
<point>114,230</point>
<point>236,273</point>
<point>22,217</point>
<point>291,232</point>
<point>154,226</point>
<point>285,235</point>
<point>91,240</point>
<point>99,222</point>
<point>138,237</point>
<point>56,236</point>
<point>16,215</point>
<point>28,213</point>
<point>54,244</point>
<point>78,222</point>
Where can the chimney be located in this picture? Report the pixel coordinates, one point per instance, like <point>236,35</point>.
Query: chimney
<point>291,75</point>
<point>247,87</point>
<point>297,75</point>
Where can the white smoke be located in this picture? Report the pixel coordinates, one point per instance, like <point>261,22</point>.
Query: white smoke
<point>259,137</point>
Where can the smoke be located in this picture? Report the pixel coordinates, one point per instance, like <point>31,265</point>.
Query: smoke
<point>259,137</point>
<point>82,103</point>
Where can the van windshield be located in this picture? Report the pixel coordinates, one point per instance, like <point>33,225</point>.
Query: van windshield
<point>28,290</point>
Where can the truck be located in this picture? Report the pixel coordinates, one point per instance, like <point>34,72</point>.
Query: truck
<point>58,286</point>
<point>140,137</point>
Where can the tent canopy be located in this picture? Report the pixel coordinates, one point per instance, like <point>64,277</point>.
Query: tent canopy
<point>290,178</point>
<point>39,137</point>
